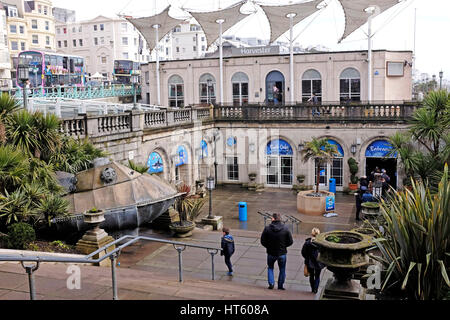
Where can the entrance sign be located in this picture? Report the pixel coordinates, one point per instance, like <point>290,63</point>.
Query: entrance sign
<point>279,147</point>
<point>379,149</point>
<point>260,51</point>
<point>329,203</point>
<point>155,163</point>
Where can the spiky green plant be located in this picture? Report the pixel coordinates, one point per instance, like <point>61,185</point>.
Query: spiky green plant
<point>141,168</point>
<point>416,246</point>
<point>13,168</point>
<point>15,207</point>
<point>52,206</point>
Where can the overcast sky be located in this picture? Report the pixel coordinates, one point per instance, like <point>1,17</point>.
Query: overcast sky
<point>394,28</point>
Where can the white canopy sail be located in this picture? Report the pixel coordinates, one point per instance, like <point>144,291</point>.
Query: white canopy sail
<point>208,21</point>
<point>355,16</point>
<point>145,26</point>
<point>277,16</point>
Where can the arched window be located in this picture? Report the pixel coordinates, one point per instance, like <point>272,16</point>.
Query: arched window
<point>279,163</point>
<point>275,87</point>
<point>334,169</point>
<point>176,92</point>
<point>207,89</point>
<point>350,85</point>
<point>311,83</point>
<point>239,82</point>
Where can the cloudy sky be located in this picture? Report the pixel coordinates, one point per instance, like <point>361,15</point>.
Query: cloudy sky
<point>394,29</point>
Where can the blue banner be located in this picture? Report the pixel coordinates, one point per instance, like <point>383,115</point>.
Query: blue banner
<point>340,153</point>
<point>231,141</point>
<point>279,147</point>
<point>379,149</point>
<point>182,156</point>
<point>155,163</point>
<point>204,147</point>
<point>329,203</point>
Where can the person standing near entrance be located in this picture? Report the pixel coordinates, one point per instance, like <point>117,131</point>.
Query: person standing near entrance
<point>276,237</point>
<point>276,93</point>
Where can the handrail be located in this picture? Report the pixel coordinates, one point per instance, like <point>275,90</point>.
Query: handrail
<point>289,218</point>
<point>112,255</point>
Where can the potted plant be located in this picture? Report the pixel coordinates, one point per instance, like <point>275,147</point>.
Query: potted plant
<point>188,207</point>
<point>353,167</point>
<point>300,178</point>
<point>252,176</point>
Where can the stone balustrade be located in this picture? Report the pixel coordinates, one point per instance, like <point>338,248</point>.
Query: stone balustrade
<point>94,126</point>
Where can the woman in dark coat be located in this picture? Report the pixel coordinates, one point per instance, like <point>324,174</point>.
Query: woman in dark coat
<point>310,252</point>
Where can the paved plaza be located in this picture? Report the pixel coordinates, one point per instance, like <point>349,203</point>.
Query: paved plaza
<point>149,270</point>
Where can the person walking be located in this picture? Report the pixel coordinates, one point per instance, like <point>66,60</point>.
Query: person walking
<point>310,252</point>
<point>227,245</point>
<point>315,101</point>
<point>276,237</point>
<point>276,93</point>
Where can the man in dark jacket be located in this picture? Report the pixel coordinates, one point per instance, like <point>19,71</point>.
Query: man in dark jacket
<point>276,237</point>
<point>227,245</point>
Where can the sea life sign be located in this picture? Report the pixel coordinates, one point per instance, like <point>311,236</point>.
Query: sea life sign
<point>155,163</point>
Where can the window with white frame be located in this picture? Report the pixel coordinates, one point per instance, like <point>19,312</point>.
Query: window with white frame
<point>35,39</point>
<point>207,89</point>
<point>124,27</point>
<point>14,45</point>
<point>47,25</point>
<point>96,41</point>
<point>125,41</point>
<point>22,46</point>
<point>350,85</point>
<point>65,43</point>
<point>74,29</point>
<point>239,83</point>
<point>95,27</point>
<point>102,27</point>
<point>12,28</point>
<point>58,31</point>
<point>21,29</point>
<point>47,40</point>
<point>125,55</point>
<point>232,168</point>
<point>12,12</point>
<point>59,44</point>
<point>80,42</point>
<point>34,24</point>
<point>176,92</point>
<point>311,83</point>
<point>74,42</point>
<point>45,10</point>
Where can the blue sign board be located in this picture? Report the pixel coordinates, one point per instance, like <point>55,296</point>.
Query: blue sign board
<point>329,203</point>
<point>182,156</point>
<point>340,153</point>
<point>379,149</point>
<point>155,163</point>
<point>204,146</point>
<point>231,141</point>
<point>279,147</point>
<point>322,173</point>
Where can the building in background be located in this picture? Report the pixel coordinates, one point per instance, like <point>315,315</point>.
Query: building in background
<point>5,62</point>
<point>101,41</point>
<point>64,15</point>
<point>31,26</point>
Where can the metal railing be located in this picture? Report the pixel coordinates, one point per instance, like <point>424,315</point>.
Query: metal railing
<point>288,219</point>
<point>75,92</point>
<point>112,255</point>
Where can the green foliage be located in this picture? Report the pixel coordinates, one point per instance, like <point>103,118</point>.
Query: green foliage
<point>416,245</point>
<point>353,167</point>
<point>94,210</point>
<point>13,168</point>
<point>75,155</point>
<point>15,207</point>
<point>8,105</point>
<point>20,235</point>
<point>52,206</point>
<point>141,168</point>
<point>59,244</point>
<point>321,151</point>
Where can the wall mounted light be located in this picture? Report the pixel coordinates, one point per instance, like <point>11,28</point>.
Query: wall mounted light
<point>353,149</point>
<point>252,147</point>
<point>301,146</point>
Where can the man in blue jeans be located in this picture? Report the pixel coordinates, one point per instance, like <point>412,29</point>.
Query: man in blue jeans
<point>276,237</point>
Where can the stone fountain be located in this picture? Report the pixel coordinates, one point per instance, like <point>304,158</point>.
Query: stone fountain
<point>344,253</point>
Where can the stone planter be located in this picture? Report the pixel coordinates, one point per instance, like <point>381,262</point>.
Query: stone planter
<point>370,210</point>
<point>344,253</point>
<point>182,229</point>
<point>314,206</point>
<point>252,177</point>
<point>367,231</point>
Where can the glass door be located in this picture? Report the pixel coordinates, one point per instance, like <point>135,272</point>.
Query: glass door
<point>273,171</point>
<point>286,171</point>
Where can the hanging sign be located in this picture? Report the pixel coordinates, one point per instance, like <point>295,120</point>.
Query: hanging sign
<point>155,163</point>
<point>204,147</point>
<point>182,156</point>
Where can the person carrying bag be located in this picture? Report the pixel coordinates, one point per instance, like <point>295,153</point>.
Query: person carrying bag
<point>312,267</point>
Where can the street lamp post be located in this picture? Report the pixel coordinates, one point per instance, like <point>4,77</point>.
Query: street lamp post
<point>23,72</point>
<point>134,80</point>
<point>441,75</point>
<point>210,185</point>
<point>434,82</point>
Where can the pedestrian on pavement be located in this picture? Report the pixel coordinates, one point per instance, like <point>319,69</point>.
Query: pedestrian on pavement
<point>310,252</point>
<point>227,245</point>
<point>358,198</point>
<point>367,197</point>
<point>276,237</point>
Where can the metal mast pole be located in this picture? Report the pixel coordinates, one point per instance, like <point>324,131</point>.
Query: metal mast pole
<point>158,84</point>
<point>220,22</point>
<point>291,52</point>
<point>369,60</point>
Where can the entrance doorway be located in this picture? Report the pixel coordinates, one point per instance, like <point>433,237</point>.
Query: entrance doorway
<point>279,164</point>
<point>379,154</point>
<point>333,170</point>
<point>275,79</point>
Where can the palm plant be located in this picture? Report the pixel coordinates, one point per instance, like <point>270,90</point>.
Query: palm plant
<point>47,134</point>
<point>8,105</point>
<point>15,207</point>
<point>416,246</point>
<point>13,168</point>
<point>21,132</point>
<point>141,168</point>
<point>51,206</point>
<point>322,152</point>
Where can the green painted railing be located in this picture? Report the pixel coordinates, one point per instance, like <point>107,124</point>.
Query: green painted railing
<point>74,92</point>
